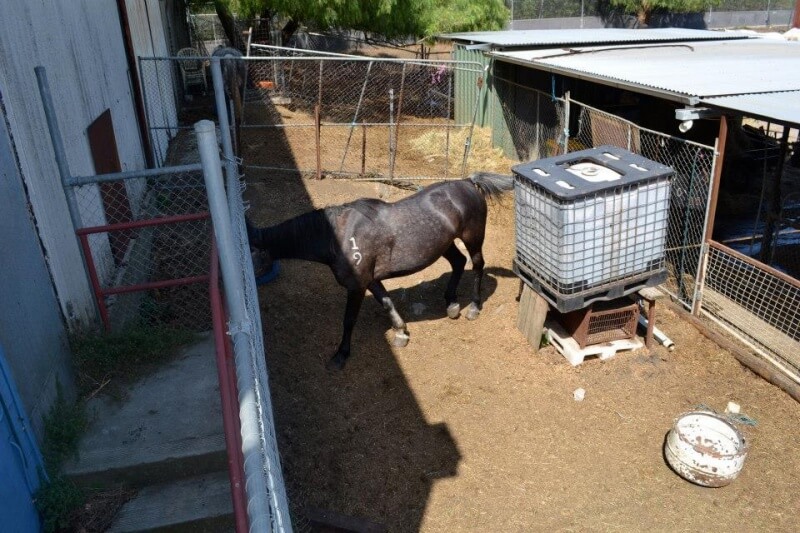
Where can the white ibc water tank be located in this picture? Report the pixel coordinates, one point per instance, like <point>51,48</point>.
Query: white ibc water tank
<point>589,220</point>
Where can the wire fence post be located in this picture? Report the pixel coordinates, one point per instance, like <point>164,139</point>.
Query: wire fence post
<point>355,116</point>
<point>266,492</point>
<point>566,122</point>
<point>239,327</point>
<point>391,134</point>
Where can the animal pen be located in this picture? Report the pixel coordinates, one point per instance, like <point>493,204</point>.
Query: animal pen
<point>393,121</point>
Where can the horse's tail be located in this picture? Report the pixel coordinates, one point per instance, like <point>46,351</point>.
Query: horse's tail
<point>492,185</point>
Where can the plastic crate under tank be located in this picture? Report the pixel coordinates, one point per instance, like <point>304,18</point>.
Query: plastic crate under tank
<point>588,221</point>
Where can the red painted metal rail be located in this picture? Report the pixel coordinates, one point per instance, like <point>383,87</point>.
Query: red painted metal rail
<point>226,370</point>
<point>230,396</point>
<point>100,293</point>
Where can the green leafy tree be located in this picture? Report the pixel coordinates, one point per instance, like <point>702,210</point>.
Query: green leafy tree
<point>388,18</point>
<point>644,9</point>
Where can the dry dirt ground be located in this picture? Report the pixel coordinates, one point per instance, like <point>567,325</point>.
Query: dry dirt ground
<point>468,428</point>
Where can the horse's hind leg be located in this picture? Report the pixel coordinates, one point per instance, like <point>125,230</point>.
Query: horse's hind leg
<point>476,254</point>
<point>380,293</point>
<point>457,262</point>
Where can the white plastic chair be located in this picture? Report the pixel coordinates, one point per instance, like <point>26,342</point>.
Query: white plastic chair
<point>193,69</point>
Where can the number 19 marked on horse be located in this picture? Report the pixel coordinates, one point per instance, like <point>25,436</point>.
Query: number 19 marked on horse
<point>367,241</point>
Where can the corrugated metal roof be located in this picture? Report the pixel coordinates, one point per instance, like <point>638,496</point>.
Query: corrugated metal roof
<point>781,107</point>
<point>589,36</point>
<point>685,72</point>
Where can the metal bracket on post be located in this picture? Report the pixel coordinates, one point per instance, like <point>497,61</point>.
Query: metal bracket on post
<point>245,327</point>
<point>697,299</point>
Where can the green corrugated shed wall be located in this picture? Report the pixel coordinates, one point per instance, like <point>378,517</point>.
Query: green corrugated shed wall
<point>467,88</point>
<point>490,112</point>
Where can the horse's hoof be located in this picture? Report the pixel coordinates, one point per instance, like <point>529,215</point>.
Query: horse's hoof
<point>400,340</point>
<point>336,363</point>
<point>473,312</point>
<point>454,310</point>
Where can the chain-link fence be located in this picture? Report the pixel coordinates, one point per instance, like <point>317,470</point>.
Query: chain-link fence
<point>690,187</point>
<point>527,124</point>
<point>760,12</point>
<point>267,503</point>
<point>146,244</point>
<point>756,302</point>
<point>340,116</point>
<point>363,117</point>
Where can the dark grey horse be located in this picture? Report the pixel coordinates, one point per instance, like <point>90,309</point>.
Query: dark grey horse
<point>368,240</point>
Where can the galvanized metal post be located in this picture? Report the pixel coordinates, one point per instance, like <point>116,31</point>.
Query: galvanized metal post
<point>448,125</point>
<point>63,166</point>
<point>58,145</point>
<point>239,327</point>
<point>231,168</point>
<point>566,122</point>
<point>267,506</point>
<point>318,140</point>
<point>156,160</point>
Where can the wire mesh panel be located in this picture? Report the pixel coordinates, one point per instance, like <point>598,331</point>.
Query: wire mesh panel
<point>270,457</point>
<point>528,124</point>
<point>268,508</point>
<point>342,116</point>
<point>758,304</point>
<point>147,240</point>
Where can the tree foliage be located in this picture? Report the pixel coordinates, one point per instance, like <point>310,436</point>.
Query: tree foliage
<point>389,18</point>
<point>644,9</point>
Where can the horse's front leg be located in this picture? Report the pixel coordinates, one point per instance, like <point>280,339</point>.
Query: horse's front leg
<point>354,299</point>
<point>380,293</point>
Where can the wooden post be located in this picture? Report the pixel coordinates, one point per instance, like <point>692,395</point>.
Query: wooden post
<point>317,127</point>
<point>531,315</point>
<point>397,121</point>
<point>715,179</point>
<point>363,150</point>
<point>775,204</point>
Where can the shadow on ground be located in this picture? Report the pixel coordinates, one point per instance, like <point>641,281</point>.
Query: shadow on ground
<point>353,442</point>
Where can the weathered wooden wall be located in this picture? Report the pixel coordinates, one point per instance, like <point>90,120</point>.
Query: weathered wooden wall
<point>45,292</point>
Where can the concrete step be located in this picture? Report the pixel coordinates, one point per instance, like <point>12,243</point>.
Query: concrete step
<point>198,504</point>
<point>169,427</point>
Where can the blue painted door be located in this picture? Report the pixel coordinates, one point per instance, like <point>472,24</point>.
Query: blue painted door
<point>20,460</point>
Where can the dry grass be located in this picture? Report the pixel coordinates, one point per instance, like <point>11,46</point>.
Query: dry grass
<point>432,144</point>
